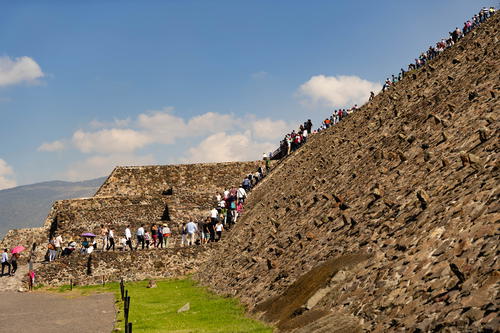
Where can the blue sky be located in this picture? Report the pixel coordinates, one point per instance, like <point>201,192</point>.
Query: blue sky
<point>86,85</point>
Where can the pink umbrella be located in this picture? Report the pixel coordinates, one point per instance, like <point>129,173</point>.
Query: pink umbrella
<point>17,249</point>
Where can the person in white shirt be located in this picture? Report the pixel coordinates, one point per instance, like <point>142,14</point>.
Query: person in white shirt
<point>58,243</point>
<point>111,239</point>
<point>218,197</point>
<point>213,215</point>
<point>191,230</point>
<point>128,237</point>
<point>218,229</point>
<point>241,194</point>
<point>167,233</point>
<point>140,237</point>
<point>5,261</point>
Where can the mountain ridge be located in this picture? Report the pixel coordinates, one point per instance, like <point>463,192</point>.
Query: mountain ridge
<point>27,205</point>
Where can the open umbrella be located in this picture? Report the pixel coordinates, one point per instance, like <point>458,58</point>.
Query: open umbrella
<point>88,234</point>
<point>17,249</point>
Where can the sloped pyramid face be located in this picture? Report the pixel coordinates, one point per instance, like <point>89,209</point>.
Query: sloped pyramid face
<point>389,220</point>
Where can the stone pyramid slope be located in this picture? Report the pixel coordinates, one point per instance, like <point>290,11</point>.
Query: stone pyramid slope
<point>387,221</point>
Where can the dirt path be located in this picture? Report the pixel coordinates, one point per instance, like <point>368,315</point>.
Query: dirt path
<point>52,313</point>
<point>14,283</point>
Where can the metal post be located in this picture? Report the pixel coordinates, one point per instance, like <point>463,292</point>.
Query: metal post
<point>122,288</point>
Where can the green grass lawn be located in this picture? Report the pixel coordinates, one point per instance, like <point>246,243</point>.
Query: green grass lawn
<point>155,310</point>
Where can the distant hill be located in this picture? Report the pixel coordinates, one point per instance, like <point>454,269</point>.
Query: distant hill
<point>28,205</point>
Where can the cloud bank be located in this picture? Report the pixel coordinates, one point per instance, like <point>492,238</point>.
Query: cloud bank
<point>19,70</point>
<point>219,137</point>
<point>337,91</point>
<point>51,146</point>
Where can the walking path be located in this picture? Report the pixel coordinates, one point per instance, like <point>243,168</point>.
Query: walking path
<point>45,312</point>
<point>51,313</point>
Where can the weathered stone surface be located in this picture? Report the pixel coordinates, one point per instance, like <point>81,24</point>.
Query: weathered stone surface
<point>408,283</point>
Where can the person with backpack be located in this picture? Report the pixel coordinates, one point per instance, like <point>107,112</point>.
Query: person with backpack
<point>242,194</point>
<point>52,250</point>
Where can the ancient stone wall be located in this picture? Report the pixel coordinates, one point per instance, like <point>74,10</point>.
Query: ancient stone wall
<point>190,178</point>
<point>74,217</point>
<point>24,237</point>
<point>408,186</point>
<point>113,266</point>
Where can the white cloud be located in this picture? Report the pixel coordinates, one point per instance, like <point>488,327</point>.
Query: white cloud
<point>98,166</point>
<point>223,147</point>
<point>164,127</point>
<point>110,140</point>
<point>269,129</point>
<point>224,137</point>
<point>115,123</point>
<point>18,70</point>
<point>259,75</point>
<point>6,172</point>
<point>338,91</point>
<point>52,146</point>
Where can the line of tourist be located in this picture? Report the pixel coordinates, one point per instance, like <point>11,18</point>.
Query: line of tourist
<point>224,215</point>
<point>445,43</point>
<point>294,140</point>
<point>229,206</point>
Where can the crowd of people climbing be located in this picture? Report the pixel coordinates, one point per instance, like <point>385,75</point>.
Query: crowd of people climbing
<point>294,140</point>
<point>228,207</point>
<point>445,43</point>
